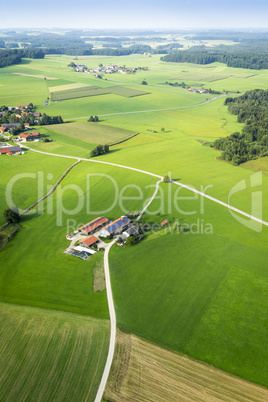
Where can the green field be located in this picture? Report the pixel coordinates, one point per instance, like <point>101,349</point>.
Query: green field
<point>48,355</point>
<point>21,173</point>
<point>93,133</point>
<point>198,293</point>
<point>202,295</point>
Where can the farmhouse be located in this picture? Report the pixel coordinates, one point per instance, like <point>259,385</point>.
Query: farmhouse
<point>29,137</point>
<point>89,241</point>
<point>10,150</point>
<point>92,226</point>
<point>133,230</point>
<point>2,129</point>
<point>115,227</point>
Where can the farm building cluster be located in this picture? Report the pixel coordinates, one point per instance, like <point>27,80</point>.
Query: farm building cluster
<point>110,69</point>
<point>18,118</point>
<point>200,90</point>
<point>90,238</point>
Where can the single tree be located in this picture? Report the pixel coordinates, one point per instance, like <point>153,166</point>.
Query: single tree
<point>130,241</point>
<point>166,179</point>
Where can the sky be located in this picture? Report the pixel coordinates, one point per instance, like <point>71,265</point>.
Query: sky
<point>137,14</point>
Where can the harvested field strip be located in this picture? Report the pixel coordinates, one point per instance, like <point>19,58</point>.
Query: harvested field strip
<point>48,355</point>
<point>73,91</point>
<point>36,76</point>
<point>78,93</point>
<point>143,371</point>
<point>70,87</point>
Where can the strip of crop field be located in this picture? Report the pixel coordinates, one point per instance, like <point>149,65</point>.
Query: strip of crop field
<point>80,91</point>
<point>49,355</point>
<point>143,371</point>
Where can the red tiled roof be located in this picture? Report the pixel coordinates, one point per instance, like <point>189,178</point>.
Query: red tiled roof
<point>26,124</point>
<point>2,128</point>
<point>9,153</point>
<point>95,224</point>
<point>164,223</point>
<point>88,241</point>
<point>4,150</point>
<point>23,135</point>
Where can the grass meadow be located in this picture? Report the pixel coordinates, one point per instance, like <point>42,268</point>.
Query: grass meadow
<point>200,292</point>
<point>50,355</point>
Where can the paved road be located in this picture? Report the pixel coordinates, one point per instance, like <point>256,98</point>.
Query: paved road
<point>113,325</point>
<point>153,110</point>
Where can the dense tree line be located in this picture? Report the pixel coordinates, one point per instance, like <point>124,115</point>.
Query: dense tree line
<point>251,109</point>
<point>99,150</point>
<point>14,56</point>
<point>10,117</point>
<point>46,120</point>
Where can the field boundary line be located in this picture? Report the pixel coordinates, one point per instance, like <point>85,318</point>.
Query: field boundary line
<point>51,191</point>
<point>239,211</point>
<point>110,356</point>
<point>126,139</point>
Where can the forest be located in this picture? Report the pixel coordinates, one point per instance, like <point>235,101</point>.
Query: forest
<point>14,56</point>
<point>251,109</point>
<point>252,54</point>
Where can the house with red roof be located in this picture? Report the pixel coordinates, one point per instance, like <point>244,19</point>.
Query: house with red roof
<point>115,227</point>
<point>10,150</point>
<point>94,225</point>
<point>29,136</point>
<point>89,241</point>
